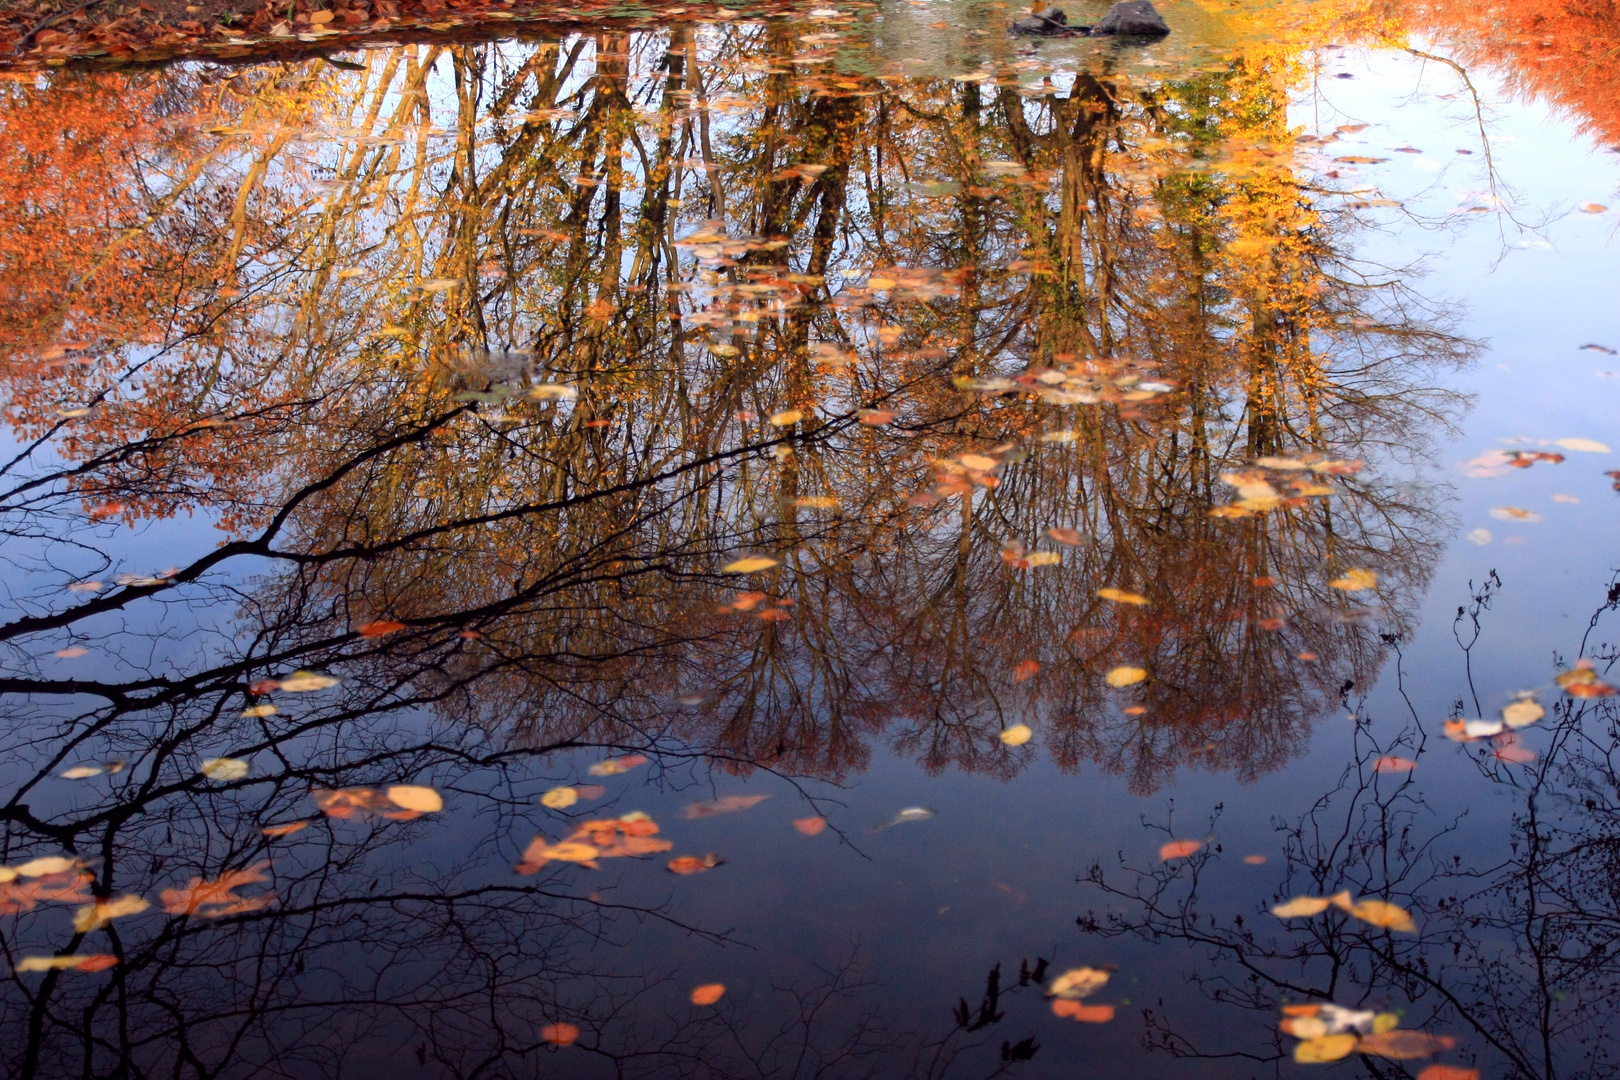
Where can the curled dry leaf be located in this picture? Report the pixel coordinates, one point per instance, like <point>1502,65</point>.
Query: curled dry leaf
<point>750,565</point>
<point>1017,735</point>
<point>1325,1049</point>
<point>1085,1014</point>
<point>1120,596</point>
<point>687,865</point>
<point>1125,675</point>
<point>1180,849</point>
<point>560,1034</point>
<point>708,993</point>
<point>1077,983</point>
<point>603,838</point>
<point>615,766</point>
<point>728,805</point>
<point>810,826</point>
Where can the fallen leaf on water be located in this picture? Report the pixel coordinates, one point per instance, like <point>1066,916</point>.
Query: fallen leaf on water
<point>1120,596</point>
<point>1383,914</point>
<point>817,502</point>
<point>910,814</point>
<point>615,766</point>
<point>257,711</point>
<point>1085,1014</point>
<point>590,791</point>
<point>1327,1048</point>
<point>1077,983</point>
<point>687,865</point>
<point>560,798</point>
<point>1066,536</point>
<point>1404,1045</point>
<point>1522,713</point>
<point>539,852</point>
<point>1580,681</point>
<point>1567,500</point>
<point>1125,676</point>
<point>1592,208</point>
<point>1515,754</point>
<point>1255,860</point>
<point>42,867</point>
<point>1025,669</point>
<point>84,962</point>
<point>1480,537</point>
<point>708,993</point>
<point>70,886</point>
<point>1042,558</point>
<point>1302,907</point>
<point>379,628</point>
<point>561,1034</point>
<point>1355,581</point>
<point>1514,513</point>
<point>876,417</point>
<point>786,417</point>
<point>414,797</point>
<point>95,916</point>
<point>1448,1072</point>
<point>750,565</point>
<point>345,803</point>
<point>213,899</point>
<point>223,768</point>
<point>1017,735</point>
<point>1179,849</point>
<point>284,830</point>
<point>1303,1027</point>
<point>80,772</point>
<point>810,826</point>
<point>1390,763</point>
<point>727,805</point>
<point>1584,446</point>
<point>300,682</point>
<point>70,653</point>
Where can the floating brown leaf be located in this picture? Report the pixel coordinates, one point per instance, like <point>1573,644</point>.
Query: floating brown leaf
<point>213,899</point>
<point>1402,1045</point>
<point>728,805</point>
<point>561,1034</point>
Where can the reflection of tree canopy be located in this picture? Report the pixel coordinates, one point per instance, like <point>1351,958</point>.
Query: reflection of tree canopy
<point>506,346</point>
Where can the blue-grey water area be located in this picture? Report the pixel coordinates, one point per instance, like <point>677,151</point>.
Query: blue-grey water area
<point>845,545</point>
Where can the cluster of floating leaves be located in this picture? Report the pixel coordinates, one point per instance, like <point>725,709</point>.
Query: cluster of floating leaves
<point>1328,1032</point>
<point>1375,912</point>
<point>1272,482</point>
<point>1067,990</point>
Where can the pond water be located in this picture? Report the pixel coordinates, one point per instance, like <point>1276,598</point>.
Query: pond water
<point>849,545</point>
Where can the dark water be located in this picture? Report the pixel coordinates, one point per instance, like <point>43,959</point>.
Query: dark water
<point>1228,418</point>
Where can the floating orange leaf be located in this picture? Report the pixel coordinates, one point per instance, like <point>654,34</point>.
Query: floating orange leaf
<point>1085,1014</point>
<point>1448,1072</point>
<point>615,766</point>
<point>380,628</point>
<point>1066,536</point>
<point>708,993</point>
<point>1390,763</point>
<point>1025,669</point>
<point>1120,596</point>
<point>810,826</point>
<point>84,962</point>
<point>687,865</point>
<point>561,1034</point>
<point>213,899</point>
<point>284,830</point>
<point>1180,849</point>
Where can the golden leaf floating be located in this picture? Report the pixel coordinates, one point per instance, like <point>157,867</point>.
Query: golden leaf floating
<point>708,993</point>
<point>1042,558</point>
<point>1302,907</point>
<point>750,565</point>
<point>1179,849</point>
<point>284,830</point>
<point>787,417</point>
<point>1522,713</point>
<point>615,766</point>
<point>302,682</point>
<point>95,916</point>
<point>560,798</point>
<point>414,797</point>
<point>1120,596</point>
<point>257,711</point>
<point>687,865</point>
<point>359,802</point>
<point>605,838</point>
<point>1125,675</point>
<point>1017,735</point>
<point>80,772</point>
<point>1355,581</point>
<point>1514,513</point>
<point>1077,983</point>
<point>1325,1049</point>
<point>1582,681</point>
<point>1384,915</point>
<point>730,804</point>
<point>223,768</point>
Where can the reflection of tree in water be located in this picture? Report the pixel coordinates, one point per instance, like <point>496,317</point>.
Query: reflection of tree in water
<point>1514,955</point>
<point>507,383</point>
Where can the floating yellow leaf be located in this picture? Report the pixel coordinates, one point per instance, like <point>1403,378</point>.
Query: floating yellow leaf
<point>1355,581</point>
<point>615,766</point>
<point>223,768</point>
<point>300,682</point>
<point>1120,596</point>
<point>1125,675</point>
<point>751,565</point>
<point>1303,1027</point>
<point>1522,713</point>
<point>560,798</point>
<point>81,772</point>
<point>1383,914</point>
<point>1043,558</point>
<point>817,502</point>
<point>95,916</point>
<point>1584,446</point>
<point>1327,1048</point>
<point>978,462</point>
<point>1301,907</point>
<point>87,962</point>
<point>257,711</point>
<point>1077,983</point>
<point>422,800</point>
<point>1017,735</point>
<point>787,417</point>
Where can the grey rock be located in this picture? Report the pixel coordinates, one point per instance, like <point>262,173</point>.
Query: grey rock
<point>1133,17</point>
<point>1052,22</point>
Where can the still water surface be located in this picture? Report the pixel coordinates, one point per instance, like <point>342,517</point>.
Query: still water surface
<point>861,512</point>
